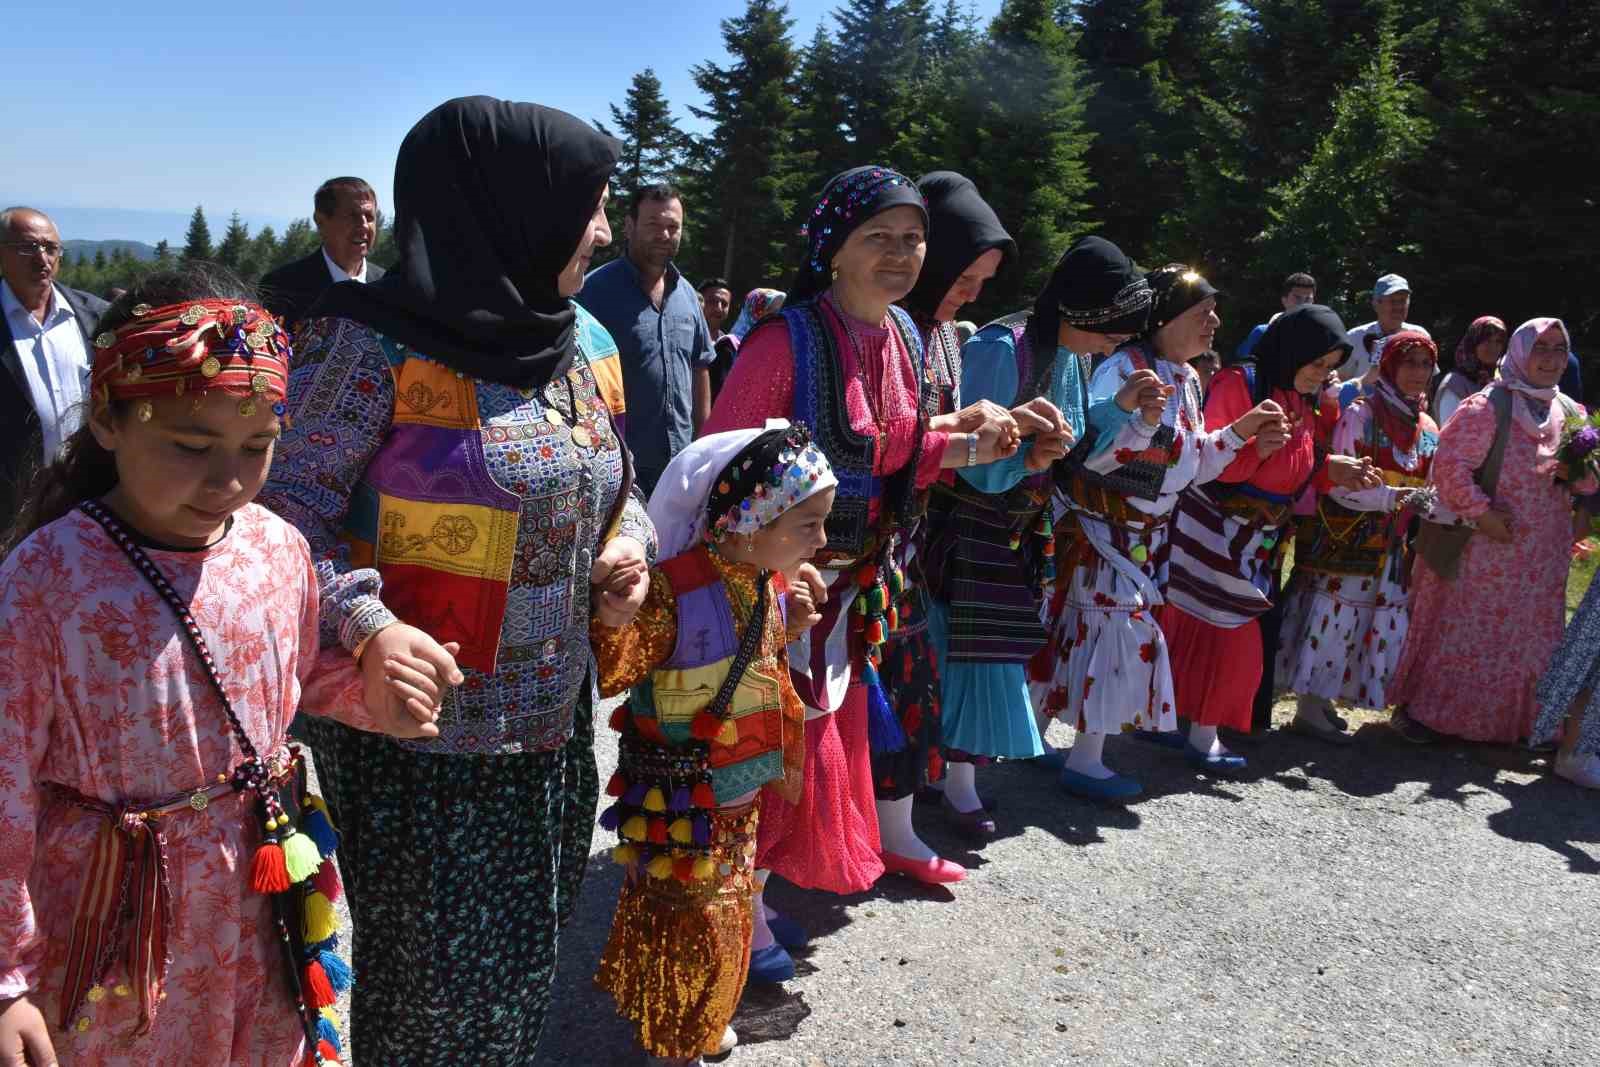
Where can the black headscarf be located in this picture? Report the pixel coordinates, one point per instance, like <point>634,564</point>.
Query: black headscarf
<point>1094,287</point>
<point>961,227</point>
<point>1293,339</point>
<point>848,200</point>
<point>1174,289</point>
<point>491,200</point>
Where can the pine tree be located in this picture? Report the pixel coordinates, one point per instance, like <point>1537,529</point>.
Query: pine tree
<point>1341,216</point>
<point>819,147</point>
<point>235,244</point>
<point>749,230</point>
<point>299,241</point>
<point>652,144</point>
<point>878,48</point>
<point>258,257</point>
<point>163,252</point>
<point>100,260</point>
<point>1027,109</point>
<point>197,242</point>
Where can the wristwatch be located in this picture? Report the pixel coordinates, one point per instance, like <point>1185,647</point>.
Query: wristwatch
<point>972,450</point>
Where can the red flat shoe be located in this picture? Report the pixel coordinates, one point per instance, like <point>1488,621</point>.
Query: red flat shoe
<point>930,872</point>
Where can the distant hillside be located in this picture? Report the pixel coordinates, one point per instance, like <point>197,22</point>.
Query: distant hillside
<point>87,249</point>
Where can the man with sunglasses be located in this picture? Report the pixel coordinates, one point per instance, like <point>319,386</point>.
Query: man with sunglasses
<point>46,338</point>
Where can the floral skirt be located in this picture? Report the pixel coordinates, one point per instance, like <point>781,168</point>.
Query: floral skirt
<point>1342,636</point>
<point>910,675</point>
<point>459,871</point>
<point>679,953</point>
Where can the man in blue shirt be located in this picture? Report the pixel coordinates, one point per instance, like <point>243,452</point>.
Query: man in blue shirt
<point>1298,288</point>
<point>660,331</point>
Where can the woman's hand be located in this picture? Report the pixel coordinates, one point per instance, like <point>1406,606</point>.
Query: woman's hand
<point>404,674</point>
<point>1271,437</point>
<point>621,578</point>
<point>24,1037</point>
<point>1263,415</point>
<point>1348,472</point>
<point>1143,392</point>
<point>974,417</point>
<point>1496,526</point>
<point>1048,427</point>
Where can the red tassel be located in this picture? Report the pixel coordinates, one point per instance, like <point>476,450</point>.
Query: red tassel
<point>326,881</point>
<point>706,726</point>
<point>619,717</point>
<point>658,831</point>
<point>703,796</point>
<point>268,874</point>
<point>683,869</point>
<point>875,632</point>
<point>330,1055</point>
<point>617,785</point>
<point>311,1059</point>
<point>319,993</point>
<point>867,575</point>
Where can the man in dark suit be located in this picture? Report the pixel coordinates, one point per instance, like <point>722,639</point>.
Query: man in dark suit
<point>46,344</point>
<point>346,214</point>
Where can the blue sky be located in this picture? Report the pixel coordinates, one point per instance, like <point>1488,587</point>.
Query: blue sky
<point>130,114</point>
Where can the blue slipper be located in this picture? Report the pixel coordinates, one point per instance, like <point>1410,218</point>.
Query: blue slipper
<point>1165,738</point>
<point>1113,790</point>
<point>771,964</point>
<point>1205,761</point>
<point>790,934</point>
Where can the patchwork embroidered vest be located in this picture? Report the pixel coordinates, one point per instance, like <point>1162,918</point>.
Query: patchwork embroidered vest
<point>428,515</point>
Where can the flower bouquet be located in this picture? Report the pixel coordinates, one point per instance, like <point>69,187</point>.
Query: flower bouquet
<point>1579,455</point>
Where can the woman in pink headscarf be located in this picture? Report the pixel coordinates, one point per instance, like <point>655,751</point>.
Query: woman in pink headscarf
<point>1480,639</point>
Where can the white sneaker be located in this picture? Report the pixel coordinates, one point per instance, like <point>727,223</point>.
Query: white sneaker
<point>1580,769</point>
<point>729,1040</point>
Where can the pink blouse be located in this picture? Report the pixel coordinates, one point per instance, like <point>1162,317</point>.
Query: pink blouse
<point>876,365</point>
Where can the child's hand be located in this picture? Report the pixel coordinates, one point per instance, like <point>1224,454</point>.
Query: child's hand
<point>621,578</point>
<point>406,673</point>
<point>24,1037</point>
<point>807,593</point>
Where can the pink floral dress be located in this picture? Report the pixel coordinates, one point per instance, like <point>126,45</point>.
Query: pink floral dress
<point>101,694</point>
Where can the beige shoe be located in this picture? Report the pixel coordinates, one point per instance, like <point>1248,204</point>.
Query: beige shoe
<point>1579,769</point>
<point>729,1040</point>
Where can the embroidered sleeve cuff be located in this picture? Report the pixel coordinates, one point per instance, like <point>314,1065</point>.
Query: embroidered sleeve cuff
<point>362,618</point>
<point>1231,440</point>
<point>636,524</point>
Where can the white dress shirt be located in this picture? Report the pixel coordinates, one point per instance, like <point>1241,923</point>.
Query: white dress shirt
<point>55,363</point>
<point>338,272</point>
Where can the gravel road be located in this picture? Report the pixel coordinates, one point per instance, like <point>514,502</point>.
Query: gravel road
<point>1376,904</point>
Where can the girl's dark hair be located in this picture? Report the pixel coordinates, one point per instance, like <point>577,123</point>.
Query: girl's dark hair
<point>84,469</point>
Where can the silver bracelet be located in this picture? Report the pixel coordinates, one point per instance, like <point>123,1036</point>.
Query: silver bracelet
<point>972,450</point>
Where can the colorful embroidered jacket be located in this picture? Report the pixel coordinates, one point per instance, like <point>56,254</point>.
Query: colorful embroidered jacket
<point>470,509</point>
<point>676,656</point>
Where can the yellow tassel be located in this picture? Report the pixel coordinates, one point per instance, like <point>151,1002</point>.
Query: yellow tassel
<point>660,867</point>
<point>635,828</point>
<point>729,734</point>
<point>682,831</point>
<point>625,855</point>
<point>654,801</point>
<point>329,1014</point>
<point>321,922</point>
<point>704,868</point>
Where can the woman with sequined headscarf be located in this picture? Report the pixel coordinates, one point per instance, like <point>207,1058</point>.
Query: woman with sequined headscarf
<point>1114,535</point>
<point>455,465</point>
<point>1345,615</point>
<point>1507,589</point>
<point>842,360</point>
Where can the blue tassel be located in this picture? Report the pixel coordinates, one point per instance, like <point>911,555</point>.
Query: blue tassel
<point>883,726</point>
<point>611,818</point>
<point>702,829</point>
<point>326,945</point>
<point>634,797</point>
<point>316,826</point>
<point>328,1032</point>
<point>680,799</point>
<point>337,970</point>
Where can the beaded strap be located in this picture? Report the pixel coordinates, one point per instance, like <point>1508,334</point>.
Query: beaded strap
<point>252,773</point>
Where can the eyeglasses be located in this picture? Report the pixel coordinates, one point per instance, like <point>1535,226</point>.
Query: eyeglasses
<point>35,249</point>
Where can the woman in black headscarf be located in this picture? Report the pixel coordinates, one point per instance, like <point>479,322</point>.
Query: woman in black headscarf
<point>1228,536</point>
<point>967,246</point>
<point>453,463</point>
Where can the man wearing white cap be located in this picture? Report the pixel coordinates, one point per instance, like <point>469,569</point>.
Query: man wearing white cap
<point>1391,299</point>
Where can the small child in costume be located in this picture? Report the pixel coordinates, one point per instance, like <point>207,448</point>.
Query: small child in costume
<point>712,718</point>
<point>165,884</point>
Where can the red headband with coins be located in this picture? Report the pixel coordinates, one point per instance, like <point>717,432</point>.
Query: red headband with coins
<point>192,348</point>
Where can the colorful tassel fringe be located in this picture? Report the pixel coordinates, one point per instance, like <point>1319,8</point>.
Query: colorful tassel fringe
<point>326,881</point>
<point>337,970</point>
<point>316,825</point>
<point>267,871</point>
<point>327,1031</point>
<point>314,984</point>
<point>321,923</point>
<point>301,857</point>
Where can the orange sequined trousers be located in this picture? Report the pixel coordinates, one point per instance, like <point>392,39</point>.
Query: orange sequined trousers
<point>679,953</point>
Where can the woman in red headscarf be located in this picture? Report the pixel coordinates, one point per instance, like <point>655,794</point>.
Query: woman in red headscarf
<point>1477,355</point>
<point>1345,616</point>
